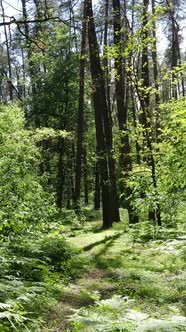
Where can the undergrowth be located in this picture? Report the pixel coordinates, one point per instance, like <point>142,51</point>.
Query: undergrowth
<point>147,271</point>
<point>34,268</point>
<point>137,283</point>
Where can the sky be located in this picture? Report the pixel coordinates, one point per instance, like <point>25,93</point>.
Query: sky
<point>12,9</point>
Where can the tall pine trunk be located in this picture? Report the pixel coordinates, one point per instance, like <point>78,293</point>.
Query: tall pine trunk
<point>154,214</point>
<point>102,122</point>
<point>125,155</point>
<point>80,129</point>
<point>9,75</point>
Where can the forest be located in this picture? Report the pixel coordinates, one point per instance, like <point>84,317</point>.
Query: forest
<point>92,166</point>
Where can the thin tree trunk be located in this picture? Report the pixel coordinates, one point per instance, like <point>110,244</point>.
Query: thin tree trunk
<point>85,176</point>
<point>80,129</point>
<point>125,156</point>
<point>154,214</point>
<point>175,51</point>
<point>60,177</point>
<point>155,72</point>
<point>97,193</point>
<point>10,86</point>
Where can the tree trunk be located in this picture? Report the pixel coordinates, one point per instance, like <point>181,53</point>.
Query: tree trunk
<point>85,176</point>
<point>155,74</point>
<point>175,50</point>
<point>9,76</point>
<point>97,190</point>
<point>112,166</point>
<point>102,122</point>
<point>125,156</point>
<point>80,129</point>
<point>60,177</point>
<point>154,214</point>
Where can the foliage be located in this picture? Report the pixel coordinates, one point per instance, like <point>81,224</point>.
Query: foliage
<point>171,163</point>
<point>168,154</point>
<point>54,105</point>
<point>105,317</point>
<point>143,194</point>
<point>115,314</point>
<point>33,272</point>
<point>23,200</point>
<point>38,153</point>
<point>35,258</point>
<point>147,279</point>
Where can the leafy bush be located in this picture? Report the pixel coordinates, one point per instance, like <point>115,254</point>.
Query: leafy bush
<point>23,200</point>
<point>60,255</point>
<point>33,270</point>
<point>35,258</point>
<point>171,164</point>
<point>144,231</point>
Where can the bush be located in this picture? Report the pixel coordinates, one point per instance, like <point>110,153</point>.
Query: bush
<point>33,270</point>
<point>56,252</point>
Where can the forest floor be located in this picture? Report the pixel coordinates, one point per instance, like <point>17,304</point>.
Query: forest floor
<point>134,282</point>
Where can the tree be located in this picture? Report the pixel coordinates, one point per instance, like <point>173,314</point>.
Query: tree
<point>146,116</point>
<point>8,74</point>
<point>171,162</point>
<point>43,64</point>
<point>81,119</point>
<point>122,111</point>
<point>102,122</point>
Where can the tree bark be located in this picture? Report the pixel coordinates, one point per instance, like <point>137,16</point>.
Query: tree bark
<point>125,156</point>
<point>102,122</point>
<point>60,175</point>
<point>154,214</point>
<point>80,129</point>
<point>97,190</point>
<point>155,74</point>
<point>9,81</point>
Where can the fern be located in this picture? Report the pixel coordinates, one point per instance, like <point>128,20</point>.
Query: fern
<point>116,314</point>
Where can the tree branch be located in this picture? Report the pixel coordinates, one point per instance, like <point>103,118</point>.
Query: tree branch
<point>36,20</point>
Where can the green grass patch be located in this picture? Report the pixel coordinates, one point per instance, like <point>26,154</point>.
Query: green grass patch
<point>147,277</point>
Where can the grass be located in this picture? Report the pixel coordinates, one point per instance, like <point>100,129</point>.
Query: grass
<point>130,285</point>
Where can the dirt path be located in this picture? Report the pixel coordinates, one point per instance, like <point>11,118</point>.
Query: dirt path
<point>94,284</point>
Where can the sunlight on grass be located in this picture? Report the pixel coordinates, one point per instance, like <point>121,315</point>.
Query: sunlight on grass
<point>146,279</point>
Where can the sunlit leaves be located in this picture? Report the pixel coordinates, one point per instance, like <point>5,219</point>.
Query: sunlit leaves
<point>171,164</point>
<point>22,197</point>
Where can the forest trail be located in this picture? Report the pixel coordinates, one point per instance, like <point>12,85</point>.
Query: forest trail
<point>131,283</point>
